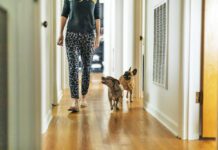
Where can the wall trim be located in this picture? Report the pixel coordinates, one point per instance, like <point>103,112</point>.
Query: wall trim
<point>46,121</point>
<point>191,46</point>
<point>171,125</point>
<point>185,62</point>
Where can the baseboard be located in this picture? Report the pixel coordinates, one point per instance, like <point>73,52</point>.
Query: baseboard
<point>46,122</point>
<point>194,136</point>
<point>60,95</point>
<point>171,125</point>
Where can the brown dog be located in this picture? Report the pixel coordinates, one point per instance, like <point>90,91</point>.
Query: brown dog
<point>115,92</point>
<point>127,81</point>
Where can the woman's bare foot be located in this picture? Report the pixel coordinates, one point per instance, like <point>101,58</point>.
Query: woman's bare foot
<point>84,102</point>
<point>75,105</point>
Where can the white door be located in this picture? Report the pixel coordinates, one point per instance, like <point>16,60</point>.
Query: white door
<point>23,74</point>
<point>140,31</point>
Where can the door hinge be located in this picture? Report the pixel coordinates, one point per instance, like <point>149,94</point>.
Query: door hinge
<point>199,97</point>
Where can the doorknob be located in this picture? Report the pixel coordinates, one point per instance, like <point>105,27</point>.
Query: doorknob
<point>45,24</point>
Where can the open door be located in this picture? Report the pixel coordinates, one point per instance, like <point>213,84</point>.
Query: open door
<point>210,69</point>
<point>140,17</point>
<point>142,46</point>
<point>3,80</point>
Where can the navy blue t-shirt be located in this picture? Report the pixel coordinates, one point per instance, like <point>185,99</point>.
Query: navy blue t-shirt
<point>81,14</point>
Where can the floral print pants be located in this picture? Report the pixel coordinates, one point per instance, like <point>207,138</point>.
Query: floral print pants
<point>79,44</point>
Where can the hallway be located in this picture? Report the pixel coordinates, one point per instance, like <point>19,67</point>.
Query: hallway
<point>173,45</point>
<point>97,128</point>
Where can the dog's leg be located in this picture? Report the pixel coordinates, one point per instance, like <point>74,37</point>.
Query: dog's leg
<point>127,95</point>
<point>116,102</point>
<point>111,104</point>
<point>121,101</point>
<point>131,96</point>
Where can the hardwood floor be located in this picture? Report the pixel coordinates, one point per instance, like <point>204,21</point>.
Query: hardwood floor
<point>98,128</point>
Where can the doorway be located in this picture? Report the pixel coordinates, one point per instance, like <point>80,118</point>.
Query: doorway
<point>209,69</point>
<point>98,58</point>
<point>108,58</point>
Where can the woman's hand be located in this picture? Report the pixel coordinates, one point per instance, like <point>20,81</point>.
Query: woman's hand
<point>97,42</point>
<point>60,40</point>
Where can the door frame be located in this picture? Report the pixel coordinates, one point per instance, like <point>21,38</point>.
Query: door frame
<point>189,122</point>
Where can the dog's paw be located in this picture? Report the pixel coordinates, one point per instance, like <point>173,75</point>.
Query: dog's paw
<point>117,109</point>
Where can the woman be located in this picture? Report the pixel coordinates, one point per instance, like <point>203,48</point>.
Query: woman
<point>82,38</point>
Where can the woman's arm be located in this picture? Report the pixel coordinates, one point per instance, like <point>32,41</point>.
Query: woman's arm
<point>61,36</point>
<point>98,24</point>
<point>64,16</point>
<point>63,23</point>
<point>98,34</point>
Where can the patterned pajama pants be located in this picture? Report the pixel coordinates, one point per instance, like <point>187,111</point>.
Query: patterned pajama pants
<point>79,44</point>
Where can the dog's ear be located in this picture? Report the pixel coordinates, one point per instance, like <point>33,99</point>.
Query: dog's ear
<point>116,81</point>
<point>130,69</point>
<point>134,72</point>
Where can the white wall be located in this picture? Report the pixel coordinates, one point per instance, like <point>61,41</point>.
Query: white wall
<point>119,36</point>
<point>128,34</point>
<point>108,34</point>
<point>160,102</point>
<point>176,106</point>
<point>117,57</point>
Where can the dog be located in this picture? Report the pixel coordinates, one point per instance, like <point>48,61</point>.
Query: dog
<point>127,81</point>
<point>115,91</point>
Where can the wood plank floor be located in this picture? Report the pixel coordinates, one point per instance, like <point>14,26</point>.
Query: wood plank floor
<point>98,128</point>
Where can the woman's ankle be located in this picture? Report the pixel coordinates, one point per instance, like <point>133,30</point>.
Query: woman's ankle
<point>83,97</point>
<point>75,102</point>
